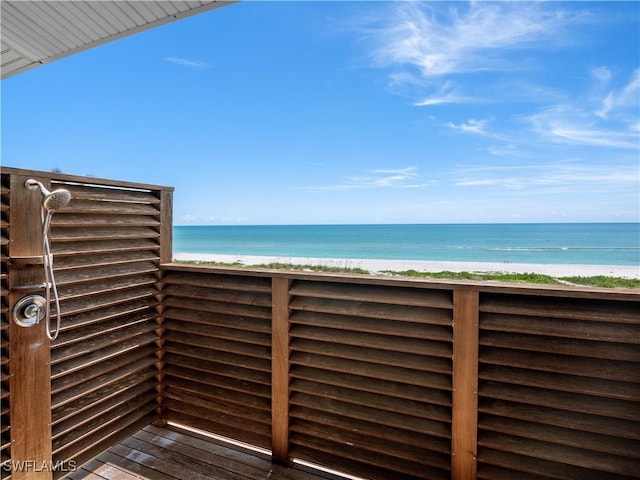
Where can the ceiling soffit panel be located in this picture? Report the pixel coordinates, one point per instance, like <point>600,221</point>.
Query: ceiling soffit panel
<point>38,32</point>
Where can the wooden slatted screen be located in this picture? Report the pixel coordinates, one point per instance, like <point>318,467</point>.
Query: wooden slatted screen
<point>104,364</point>
<point>217,360</point>
<point>559,388</point>
<point>5,432</point>
<point>371,379</point>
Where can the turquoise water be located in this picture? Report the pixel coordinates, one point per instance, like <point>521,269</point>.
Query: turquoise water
<point>574,243</point>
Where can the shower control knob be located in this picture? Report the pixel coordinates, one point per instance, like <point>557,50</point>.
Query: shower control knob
<point>29,310</point>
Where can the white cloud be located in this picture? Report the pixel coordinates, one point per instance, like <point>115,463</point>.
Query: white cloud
<point>622,98</point>
<point>575,125</point>
<point>477,127</point>
<point>601,74</point>
<point>445,94</point>
<point>197,64</point>
<point>439,40</point>
<point>567,176</point>
<point>407,177</point>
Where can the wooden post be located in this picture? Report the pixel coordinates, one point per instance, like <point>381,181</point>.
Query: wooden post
<point>29,347</point>
<point>464,428</point>
<point>166,226</point>
<point>280,370</point>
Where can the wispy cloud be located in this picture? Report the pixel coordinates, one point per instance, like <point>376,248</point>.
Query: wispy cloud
<point>576,125</point>
<point>445,94</point>
<point>185,62</point>
<point>424,42</point>
<point>407,177</point>
<point>477,127</point>
<point>615,99</point>
<point>568,176</point>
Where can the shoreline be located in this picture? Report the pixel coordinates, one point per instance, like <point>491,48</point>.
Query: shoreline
<point>377,265</point>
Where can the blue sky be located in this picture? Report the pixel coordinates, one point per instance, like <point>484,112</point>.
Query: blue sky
<point>354,112</point>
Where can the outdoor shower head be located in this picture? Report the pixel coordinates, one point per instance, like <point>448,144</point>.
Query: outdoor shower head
<point>52,200</point>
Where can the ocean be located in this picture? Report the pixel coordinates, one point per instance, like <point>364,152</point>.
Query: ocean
<point>569,243</point>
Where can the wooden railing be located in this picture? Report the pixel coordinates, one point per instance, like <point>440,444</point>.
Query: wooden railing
<point>372,376</point>
<point>387,378</point>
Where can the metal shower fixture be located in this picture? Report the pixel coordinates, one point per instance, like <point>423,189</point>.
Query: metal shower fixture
<point>52,200</point>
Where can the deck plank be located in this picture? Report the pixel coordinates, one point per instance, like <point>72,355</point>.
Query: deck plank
<point>171,453</point>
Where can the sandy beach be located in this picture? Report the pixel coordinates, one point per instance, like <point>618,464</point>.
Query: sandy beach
<point>374,266</point>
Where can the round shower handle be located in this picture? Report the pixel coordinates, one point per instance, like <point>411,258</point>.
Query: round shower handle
<point>29,310</point>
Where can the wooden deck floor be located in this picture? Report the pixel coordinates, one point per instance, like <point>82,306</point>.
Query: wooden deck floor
<point>174,454</point>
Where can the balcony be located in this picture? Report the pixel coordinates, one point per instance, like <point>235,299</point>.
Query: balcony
<point>370,377</point>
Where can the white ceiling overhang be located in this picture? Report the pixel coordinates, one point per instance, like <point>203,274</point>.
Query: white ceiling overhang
<point>38,32</point>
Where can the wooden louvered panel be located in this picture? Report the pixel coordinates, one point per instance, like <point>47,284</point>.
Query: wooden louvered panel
<point>211,421</point>
<point>381,402</point>
<point>116,374</point>
<point>107,299</point>
<point>407,448</point>
<point>132,382</point>
<point>369,310</point>
<point>247,424</point>
<point>559,389</point>
<point>227,282</point>
<point>561,400</point>
<point>82,337</point>
<point>199,307</point>
<point>252,407</point>
<point>111,436</point>
<point>137,415</point>
<point>374,293</point>
<point>412,459</point>
<point>74,383</point>
<point>376,385</point>
<point>102,234</point>
<point>214,319</point>
<point>111,350</point>
<point>564,383</point>
<point>222,357</point>
<point>355,460</point>
<point>579,457</point>
<point>85,207</point>
<point>439,440</point>
<point>71,220</point>
<point>234,348</point>
<point>219,333</point>
<point>380,341</point>
<point>108,414</point>
<point>440,331</point>
<point>112,195</point>
<point>561,307</point>
<point>217,353</point>
<point>230,373</point>
<point>133,311</point>
<point>356,367</point>
<point>622,428</point>
<point>436,377</point>
<point>237,391</point>
<point>104,246</point>
<point>626,371</point>
<point>86,281</point>
<point>209,296</point>
<point>501,465</point>
<point>383,357</point>
<point>574,347</point>
<point>575,329</point>
<point>77,261</point>
<point>562,436</point>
